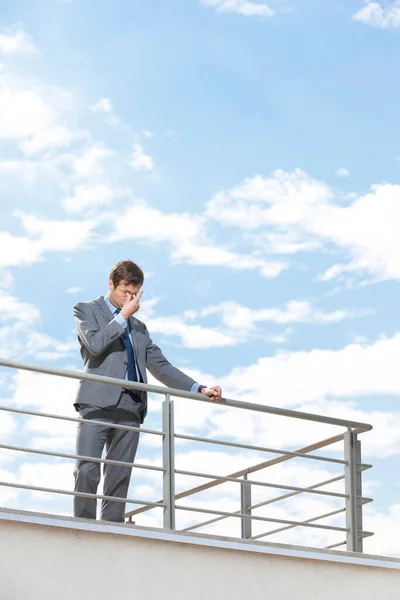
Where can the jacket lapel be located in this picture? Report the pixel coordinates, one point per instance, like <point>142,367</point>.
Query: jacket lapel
<point>104,308</point>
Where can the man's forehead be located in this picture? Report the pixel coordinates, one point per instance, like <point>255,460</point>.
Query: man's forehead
<point>128,285</point>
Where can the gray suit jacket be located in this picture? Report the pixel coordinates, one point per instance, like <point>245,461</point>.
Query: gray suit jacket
<point>104,353</point>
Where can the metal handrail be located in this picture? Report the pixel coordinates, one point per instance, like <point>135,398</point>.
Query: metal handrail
<point>156,389</point>
<point>352,462</point>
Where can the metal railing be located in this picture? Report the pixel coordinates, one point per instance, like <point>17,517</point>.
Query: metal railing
<point>351,466</point>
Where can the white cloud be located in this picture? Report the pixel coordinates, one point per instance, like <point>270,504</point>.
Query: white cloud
<point>22,172</point>
<point>56,235</point>
<point>191,336</point>
<point>299,378</point>
<point>6,280</point>
<point>12,308</point>
<point>37,116</point>
<point>363,227</point>
<point>147,307</point>
<point>103,105</point>
<point>241,7</point>
<point>50,394</point>
<point>285,199</point>
<point>385,15</point>
<point>238,323</point>
<point>8,426</point>
<point>187,239</point>
<point>73,290</point>
<point>18,42</point>
<point>88,163</point>
<point>295,311</point>
<point>55,137</point>
<point>20,341</point>
<point>386,528</point>
<point>140,160</point>
<point>25,110</point>
<point>91,196</point>
<point>42,236</point>
<point>17,250</point>
<point>342,172</point>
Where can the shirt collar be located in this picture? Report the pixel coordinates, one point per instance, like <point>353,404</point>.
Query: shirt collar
<point>110,305</point>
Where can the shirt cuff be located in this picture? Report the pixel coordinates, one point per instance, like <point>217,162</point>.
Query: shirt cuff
<point>195,387</point>
<point>121,320</point>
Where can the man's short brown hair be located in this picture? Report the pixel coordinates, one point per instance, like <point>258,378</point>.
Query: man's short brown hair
<point>128,271</point>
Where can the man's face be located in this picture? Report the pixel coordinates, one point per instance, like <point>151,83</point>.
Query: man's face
<point>119,293</point>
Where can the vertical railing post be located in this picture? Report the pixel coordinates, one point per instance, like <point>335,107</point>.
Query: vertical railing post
<point>353,490</point>
<point>359,494</point>
<point>168,463</point>
<point>245,507</point>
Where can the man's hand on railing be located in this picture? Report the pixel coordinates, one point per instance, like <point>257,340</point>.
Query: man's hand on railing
<point>215,393</point>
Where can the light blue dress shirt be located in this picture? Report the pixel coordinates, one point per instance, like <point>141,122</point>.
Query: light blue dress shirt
<point>123,322</point>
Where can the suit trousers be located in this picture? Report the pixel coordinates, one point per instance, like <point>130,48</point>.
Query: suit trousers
<point>121,445</point>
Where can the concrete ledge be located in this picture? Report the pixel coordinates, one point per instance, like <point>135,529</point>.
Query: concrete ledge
<point>45,557</point>
<point>196,539</point>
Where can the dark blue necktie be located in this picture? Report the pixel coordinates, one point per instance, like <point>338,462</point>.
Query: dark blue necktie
<point>131,354</point>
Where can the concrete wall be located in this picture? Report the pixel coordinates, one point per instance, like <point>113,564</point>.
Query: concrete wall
<point>67,560</point>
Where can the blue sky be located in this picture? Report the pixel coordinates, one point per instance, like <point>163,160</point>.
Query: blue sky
<point>245,154</point>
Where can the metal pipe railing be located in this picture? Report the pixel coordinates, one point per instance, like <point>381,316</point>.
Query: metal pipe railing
<point>36,488</point>
<point>210,511</point>
<point>35,413</point>
<point>283,412</point>
<point>266,502</point>
<point>104,461</point>
<point>351,463</point>
<point>290,453</point>
<point>258,467</point>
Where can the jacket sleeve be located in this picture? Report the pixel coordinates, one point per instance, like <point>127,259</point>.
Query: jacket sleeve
<point>162,369</point>
<point>94,338</point>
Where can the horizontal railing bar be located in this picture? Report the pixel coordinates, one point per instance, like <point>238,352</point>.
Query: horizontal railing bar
<point>256,518</point>
<point>364,534</point>
<point>280,529</point>
<point>364,500</point>
<point>362,466</point>
<point>335,545</point>
<point>291,494</point>
<point>260,449</point>
<point>283,412</point>
<point>107,461</point>
<point>35,488</point>
<point>271,501</point>
<point>260,504</point>
<point>260,483</point>
<point>258,467</point>
<point>79,420</point>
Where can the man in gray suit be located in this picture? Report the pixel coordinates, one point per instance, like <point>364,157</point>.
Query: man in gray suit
<point>116,344</point>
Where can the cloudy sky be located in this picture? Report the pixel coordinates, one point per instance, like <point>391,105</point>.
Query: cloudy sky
<point>246,155</point>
